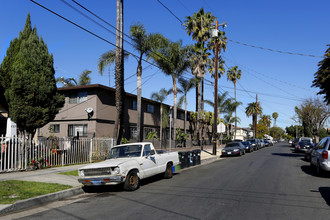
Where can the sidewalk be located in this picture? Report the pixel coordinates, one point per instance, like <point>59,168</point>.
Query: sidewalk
<point>52,175</point>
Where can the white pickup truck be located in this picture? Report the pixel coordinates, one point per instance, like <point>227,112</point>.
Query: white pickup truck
<point>128,164</point>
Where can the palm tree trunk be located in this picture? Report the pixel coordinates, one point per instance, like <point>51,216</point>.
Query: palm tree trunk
<point>185,113</point>
<point>254,125</point>
<point>161,127</point>
<point>139,109</point>
<point>119,68</point>
<point>235,113</point>
<point>174,107</point>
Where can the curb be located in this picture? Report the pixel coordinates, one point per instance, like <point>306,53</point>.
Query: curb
<point>39,200</point>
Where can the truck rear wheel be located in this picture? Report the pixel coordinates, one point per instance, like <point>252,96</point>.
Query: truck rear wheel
<point>168,172</point>
<point>132,181</point>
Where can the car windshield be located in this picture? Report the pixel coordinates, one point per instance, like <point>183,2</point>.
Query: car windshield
<point>306,140</point>
<point>246,142</point>
<point>252,141</point>
<point>125,151</point>
<point>232,145</point>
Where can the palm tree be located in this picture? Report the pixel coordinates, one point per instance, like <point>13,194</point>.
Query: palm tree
<point>199,28</point>
<point>160,97</point>
<point>275,116</point>
<point>251,110</point>
<point>223,103</point>
<point>172,59</point>
<point>266,120</point>
<point>84,78</point>
<point>234,74</point>
<point>231,107</point>
<point>185,86</point>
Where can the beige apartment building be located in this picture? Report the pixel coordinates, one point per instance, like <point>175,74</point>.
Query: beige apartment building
<point>90,111</point>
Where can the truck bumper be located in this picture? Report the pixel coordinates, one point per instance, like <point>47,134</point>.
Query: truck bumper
<point>102,180</point>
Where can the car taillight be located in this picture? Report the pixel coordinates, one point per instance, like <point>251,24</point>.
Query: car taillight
<point>298,146</point>
<point>325,155</point>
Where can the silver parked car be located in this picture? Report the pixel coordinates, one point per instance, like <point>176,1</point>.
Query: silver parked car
<point>320,156</point>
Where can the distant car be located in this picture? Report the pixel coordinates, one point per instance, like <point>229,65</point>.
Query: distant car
<point>262,143</point>
<point>248,146</point>
<point>320,160</point>
<point>302,146</point>
<point>233,149</point>
<point>255,143</point>
<point>290,141</point>
<point>267,144</point>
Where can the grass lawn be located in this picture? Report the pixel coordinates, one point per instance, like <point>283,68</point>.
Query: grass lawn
<point>70,173</point>
<point>14,190</point>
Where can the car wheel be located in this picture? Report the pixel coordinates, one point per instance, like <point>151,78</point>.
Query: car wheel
<point>168,172</point>
<point>132,181</point>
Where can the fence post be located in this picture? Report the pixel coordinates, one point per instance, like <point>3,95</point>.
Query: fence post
<point>91,151</point>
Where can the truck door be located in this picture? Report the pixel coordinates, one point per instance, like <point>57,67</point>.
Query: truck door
<point>150,161</point>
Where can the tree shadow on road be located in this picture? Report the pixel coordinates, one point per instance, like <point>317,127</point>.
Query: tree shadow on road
<point>288,154</point>
<point>325,193</point>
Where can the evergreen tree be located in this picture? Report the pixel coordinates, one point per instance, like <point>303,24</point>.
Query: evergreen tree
<point>30,85</point>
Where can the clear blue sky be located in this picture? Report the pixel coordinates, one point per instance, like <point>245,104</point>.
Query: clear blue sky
<point>281,80</point>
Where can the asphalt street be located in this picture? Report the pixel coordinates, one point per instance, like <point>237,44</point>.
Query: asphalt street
<point>272,183</point>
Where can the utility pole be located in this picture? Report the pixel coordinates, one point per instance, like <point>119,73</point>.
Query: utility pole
<point>256,122</point>
<point>215,95</point>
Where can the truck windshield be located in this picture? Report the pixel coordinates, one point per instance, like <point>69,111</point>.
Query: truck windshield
<point>125,151</point>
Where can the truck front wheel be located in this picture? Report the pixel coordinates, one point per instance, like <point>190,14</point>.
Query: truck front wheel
<point>168,172</point>
<point>132,181</point>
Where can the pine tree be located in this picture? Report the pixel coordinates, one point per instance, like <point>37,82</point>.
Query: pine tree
<point>30,85</point>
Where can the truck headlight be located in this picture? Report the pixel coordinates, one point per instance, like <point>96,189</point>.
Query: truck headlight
<point>116,170</point>
<point>81,173</point>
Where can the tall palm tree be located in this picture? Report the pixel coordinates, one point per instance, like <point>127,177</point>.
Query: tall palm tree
<point>172,59</point>
<point>185,86</point>
<point>234,74</point>
<point>160,97</point>
<point>251,110</point>
<point>199,28</point>
<point>223,103</point>
<point>143,43</point>
<point>275,116</point>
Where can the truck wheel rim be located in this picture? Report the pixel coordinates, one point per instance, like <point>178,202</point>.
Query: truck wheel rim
<point>132,180</point>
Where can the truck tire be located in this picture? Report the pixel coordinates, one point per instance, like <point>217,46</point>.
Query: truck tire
<point>132,181</point>
<point>168,171</point>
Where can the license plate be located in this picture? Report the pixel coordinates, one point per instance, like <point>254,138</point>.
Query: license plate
<point>96,183</point>
<point>229,153</point>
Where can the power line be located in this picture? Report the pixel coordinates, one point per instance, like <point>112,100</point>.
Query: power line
<point>170,11</point>
<point>272,50</point>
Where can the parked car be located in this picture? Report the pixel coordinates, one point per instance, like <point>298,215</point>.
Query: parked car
<point>255,143</point>
<point>266,142</point>
<point>262,143</point>
<point>233,149</point>
<point>127,164</point>
<point>271,142</point>
<point>248,146</point>
<point>302,146</point>
<point>308,152</point>
<point>290,142</point>
<point>320,156</point>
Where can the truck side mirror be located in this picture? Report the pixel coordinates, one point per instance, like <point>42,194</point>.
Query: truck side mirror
<point>152,152</point>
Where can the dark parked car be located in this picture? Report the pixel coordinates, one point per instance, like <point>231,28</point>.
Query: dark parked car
<point>248,146</point>
<point>233,149</point>
<point>267,144</point>
<point>308,152</point>
<point>255,143</point>
<point>302,146</point>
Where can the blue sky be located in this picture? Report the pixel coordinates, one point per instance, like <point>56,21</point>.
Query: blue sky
<point>281,80</point>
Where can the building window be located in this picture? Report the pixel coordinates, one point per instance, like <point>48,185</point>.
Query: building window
<point>133,105</point>
<point>150,108</point>
<point>181,115</point>
<point>147,131</point>
<point>78,98</point>
<point>73,130</point>
<point>133,132</point>
<point>54,128</point>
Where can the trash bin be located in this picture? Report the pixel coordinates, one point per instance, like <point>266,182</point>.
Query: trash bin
<point>197,154</point>
<point>190,158</point>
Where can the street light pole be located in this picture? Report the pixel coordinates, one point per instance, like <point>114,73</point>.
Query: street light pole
<point>215,116</point>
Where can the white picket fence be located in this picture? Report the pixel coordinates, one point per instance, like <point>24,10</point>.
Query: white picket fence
<point>21,153</point>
